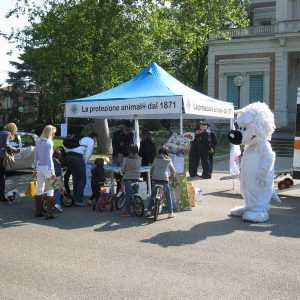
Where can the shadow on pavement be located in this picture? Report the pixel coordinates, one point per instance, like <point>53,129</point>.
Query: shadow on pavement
<point>284,222</point>
<point>21,214</point>
<point>225,194</point>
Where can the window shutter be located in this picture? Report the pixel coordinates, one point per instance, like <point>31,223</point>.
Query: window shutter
<point>256,92</point>
<point>232,91</point>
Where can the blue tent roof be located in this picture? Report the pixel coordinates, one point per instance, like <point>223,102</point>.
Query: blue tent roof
<point>151,93</point>
<point>152,81</point>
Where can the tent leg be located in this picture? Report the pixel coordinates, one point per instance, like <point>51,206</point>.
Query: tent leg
<point>136,136</point>
<point>181,123</point>
<point>231,146</point>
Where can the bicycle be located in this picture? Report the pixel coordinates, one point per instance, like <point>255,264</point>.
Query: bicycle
<point>136,200</point>
<point>120,197</point>
<point>66,199</point>
<point>160,198</point>
<point>104,200</point>
<point>159,201</point>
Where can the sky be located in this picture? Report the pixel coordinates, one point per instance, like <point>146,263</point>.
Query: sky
<point>5,25</point>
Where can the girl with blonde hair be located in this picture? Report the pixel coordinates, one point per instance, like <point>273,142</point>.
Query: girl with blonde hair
<point>44,169</point>
<point>6,136</point>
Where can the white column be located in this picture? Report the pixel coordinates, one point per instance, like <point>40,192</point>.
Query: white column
<point>222,87</point>
<point>282,10</point>
<point>267,87</point>
<point>244,96</point>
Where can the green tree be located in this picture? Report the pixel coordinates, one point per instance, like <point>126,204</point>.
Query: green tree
<point>189,25</point>
<point>79,48</point>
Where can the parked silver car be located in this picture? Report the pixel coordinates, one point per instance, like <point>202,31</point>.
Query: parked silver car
<point>24,141</point>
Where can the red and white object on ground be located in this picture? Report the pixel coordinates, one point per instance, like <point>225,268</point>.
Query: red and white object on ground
<point>296,162</point>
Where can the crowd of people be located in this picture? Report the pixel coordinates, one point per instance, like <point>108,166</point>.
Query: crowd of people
<point>49,163</point>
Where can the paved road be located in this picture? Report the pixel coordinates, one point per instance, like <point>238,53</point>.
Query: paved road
<point>201,254</point>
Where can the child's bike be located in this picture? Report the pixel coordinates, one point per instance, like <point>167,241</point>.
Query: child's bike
<point>159,201</point>
<point>160,198</point>
<point>120,197</point>
<point>136,200</point>
<point>104,200</point>
<point>65,200</point>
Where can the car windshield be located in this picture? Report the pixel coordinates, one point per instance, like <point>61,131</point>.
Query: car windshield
<point>15,142</point>
<point>27,140</point>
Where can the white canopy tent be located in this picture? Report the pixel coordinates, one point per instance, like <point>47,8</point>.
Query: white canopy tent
<point>151,94</point>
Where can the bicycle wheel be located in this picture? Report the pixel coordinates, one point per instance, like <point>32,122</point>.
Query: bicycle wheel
<point>101,204</point>
<point>120,201</point>
<point>66,199</point>
<point>138,205</point>
<point>156,209</point>
<point>44,204</point>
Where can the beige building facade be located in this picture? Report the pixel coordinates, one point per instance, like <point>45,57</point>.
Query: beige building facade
<point>265,56</point>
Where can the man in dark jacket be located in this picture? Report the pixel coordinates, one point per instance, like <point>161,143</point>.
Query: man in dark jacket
<point>214,142</point>
<point>121,141</point>
<point>147,152</point>
<point>199,150</point>
<point>147,148</point>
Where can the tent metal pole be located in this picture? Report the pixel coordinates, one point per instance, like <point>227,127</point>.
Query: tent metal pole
<point>136,131</point>
<point>181,122</point>
<point>66,118</point>
<point>231,146</point>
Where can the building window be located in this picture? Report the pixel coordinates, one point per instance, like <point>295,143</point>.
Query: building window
<point>232,91</point>
<point>256,88</point>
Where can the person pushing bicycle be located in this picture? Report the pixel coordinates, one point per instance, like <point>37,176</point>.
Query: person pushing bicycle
<point>159,170</point>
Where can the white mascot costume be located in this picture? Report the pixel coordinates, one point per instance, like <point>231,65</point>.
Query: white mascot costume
<point>256,125</point>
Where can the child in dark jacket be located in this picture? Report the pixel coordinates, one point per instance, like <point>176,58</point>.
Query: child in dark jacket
<point>98,177</point>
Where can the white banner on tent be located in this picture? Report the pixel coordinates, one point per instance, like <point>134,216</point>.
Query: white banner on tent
<point>144,106</point>
<point>208,107</point>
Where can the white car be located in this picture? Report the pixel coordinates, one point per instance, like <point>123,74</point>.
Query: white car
<point>26,143</point>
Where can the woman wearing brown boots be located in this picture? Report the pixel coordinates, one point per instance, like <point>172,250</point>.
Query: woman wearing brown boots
<point>44,169</point>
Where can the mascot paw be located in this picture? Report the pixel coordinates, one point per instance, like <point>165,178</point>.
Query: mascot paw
<point>261,180</point>
<point>255,216</point>
<point>238,211</point>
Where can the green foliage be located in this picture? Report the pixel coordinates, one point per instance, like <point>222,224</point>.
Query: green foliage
<point>75,48</point>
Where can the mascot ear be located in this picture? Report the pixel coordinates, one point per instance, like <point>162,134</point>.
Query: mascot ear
<point>248,118</point>
<point>260,130</point>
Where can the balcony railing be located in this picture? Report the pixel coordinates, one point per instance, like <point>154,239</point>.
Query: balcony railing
<point>262,30</point>
<point>288,26</point>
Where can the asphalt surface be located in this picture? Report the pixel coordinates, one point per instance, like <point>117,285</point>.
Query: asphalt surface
<point>200,254</point>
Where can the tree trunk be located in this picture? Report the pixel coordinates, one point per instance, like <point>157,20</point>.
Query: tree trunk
<point>100,42</point>
<point>103,142</point>
<point>203,55</point>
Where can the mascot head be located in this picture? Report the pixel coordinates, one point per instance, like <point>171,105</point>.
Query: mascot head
<point>255,122</point>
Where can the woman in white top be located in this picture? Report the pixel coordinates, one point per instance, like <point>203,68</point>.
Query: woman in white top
<point>44,169</point>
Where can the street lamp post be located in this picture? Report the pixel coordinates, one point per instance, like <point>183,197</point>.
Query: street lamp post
<point>21,109</point>
<point>238,82</point>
